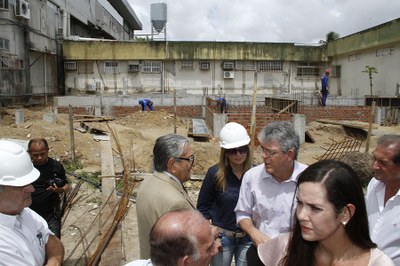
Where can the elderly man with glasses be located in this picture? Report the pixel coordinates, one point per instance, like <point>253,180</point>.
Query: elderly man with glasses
<point>264,206</point>
<point>164,191</point>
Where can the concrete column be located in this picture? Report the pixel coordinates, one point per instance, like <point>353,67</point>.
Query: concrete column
<point>19,116</point>
<point>219,121</point>
<point>378,116</point>
<point>299,123</point>
<point>50,117</point>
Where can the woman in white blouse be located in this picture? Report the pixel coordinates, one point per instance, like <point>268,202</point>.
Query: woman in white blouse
<point>331,226</point>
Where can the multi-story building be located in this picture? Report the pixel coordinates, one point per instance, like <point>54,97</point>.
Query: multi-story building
<point>31,39</point>
<point>126,68</point>
<point>74,47</point>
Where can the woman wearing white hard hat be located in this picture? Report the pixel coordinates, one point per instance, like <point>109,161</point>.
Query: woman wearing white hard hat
<point>220,191</point>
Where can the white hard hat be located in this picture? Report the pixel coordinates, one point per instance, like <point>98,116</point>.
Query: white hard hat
<point>233,135</point>
<point>16,168</point>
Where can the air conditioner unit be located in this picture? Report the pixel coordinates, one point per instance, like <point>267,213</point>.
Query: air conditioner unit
<point>229,74</point>
<point>91,87</point>
<point>22,9</point>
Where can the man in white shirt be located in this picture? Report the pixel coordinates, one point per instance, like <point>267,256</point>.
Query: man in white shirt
<point>264,208</point>
<point>25,238</point>
<point>383,197</point>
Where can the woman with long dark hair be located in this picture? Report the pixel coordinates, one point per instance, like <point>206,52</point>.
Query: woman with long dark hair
<point>331,225</point>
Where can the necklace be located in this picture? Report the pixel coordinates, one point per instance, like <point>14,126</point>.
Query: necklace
<point>350,247</point>
<point>325,259</point>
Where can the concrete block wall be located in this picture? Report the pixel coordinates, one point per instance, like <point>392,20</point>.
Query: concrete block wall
<point>262,119</point>
<point>352,113</point>
<point>182,111</point>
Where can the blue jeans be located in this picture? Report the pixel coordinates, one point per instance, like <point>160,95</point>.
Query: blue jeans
<point>232,247</point>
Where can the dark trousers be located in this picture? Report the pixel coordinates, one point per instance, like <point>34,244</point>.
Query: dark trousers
<point>252,257</point>
<point>54,222</point>
<point>324,96</point>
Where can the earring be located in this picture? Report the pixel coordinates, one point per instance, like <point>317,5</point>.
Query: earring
<point>344,224</point>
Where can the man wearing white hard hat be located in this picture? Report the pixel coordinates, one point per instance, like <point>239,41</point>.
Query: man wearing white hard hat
<point>25,238</point>
<point>264,210</point>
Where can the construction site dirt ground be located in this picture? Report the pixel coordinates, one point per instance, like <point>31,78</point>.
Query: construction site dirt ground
<point>136,134</point>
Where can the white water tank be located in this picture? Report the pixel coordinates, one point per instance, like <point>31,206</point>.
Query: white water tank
<point>158,16</point>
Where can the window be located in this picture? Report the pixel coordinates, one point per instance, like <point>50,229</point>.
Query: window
<point>336,71</point>
<point>205,65</point>
<point>70,65</point>
<point>270,66</point>
<point>245,65</point>
<point>133,67</point>
<point>3,4</point>
<point>4,44</point>
<point>85,67</point>
<point>5,61</point>
<point>152,67</point>
<point>110,67</point>
<point>187,65</point>
<point>228,65</point>
<point>384,51</point>
<point>308,69</point>
<point>354,57</point>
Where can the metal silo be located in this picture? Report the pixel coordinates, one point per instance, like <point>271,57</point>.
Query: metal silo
<point>158,16</point>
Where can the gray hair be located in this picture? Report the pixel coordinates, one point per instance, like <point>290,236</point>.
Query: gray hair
<point>166,147</point>
<point>394,141</point>
<point>174,236</point>
<point>283,132</point>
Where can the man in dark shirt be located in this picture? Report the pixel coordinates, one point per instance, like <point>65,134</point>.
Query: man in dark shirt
<point>48,187</point>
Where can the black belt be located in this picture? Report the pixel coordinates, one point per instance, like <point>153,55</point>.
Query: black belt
<point>234,234</point>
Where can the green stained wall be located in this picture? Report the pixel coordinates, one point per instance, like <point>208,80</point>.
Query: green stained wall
<point>384,34</point>
<point>107,50</point>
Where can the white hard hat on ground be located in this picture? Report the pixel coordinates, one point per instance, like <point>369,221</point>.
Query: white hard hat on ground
<point>233,135</point>
<point>16,168</point>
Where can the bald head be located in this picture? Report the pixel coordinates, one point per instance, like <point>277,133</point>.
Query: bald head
<point>178,235</point>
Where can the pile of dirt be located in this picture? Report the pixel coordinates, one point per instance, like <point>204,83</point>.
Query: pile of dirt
<point>136,134</point>
<point>361,162</point>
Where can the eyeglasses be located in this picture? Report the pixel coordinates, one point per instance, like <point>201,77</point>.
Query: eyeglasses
<point>190,159</point>
<point>241,150</point>
<point>269,152</point>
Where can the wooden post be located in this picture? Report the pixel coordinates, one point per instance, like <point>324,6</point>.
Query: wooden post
<point>371,121</point>
<point>71,134</point>
<point>175,126</point>
<point>253,113</point>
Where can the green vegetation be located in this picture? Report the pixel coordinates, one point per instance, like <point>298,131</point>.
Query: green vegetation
<point>370,70</point>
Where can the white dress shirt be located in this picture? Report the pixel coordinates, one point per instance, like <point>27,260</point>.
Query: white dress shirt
<point>384,220</point>
<point>140,263</point>
<point>23,238</point>
<point>267,202</point>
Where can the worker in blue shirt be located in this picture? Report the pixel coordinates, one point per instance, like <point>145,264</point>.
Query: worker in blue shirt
<point>221,104</point>
<point>146,103</point>
<point>325,86</point>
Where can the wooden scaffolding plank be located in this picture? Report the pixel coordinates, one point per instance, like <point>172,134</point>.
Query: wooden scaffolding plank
<point>113,251</point>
